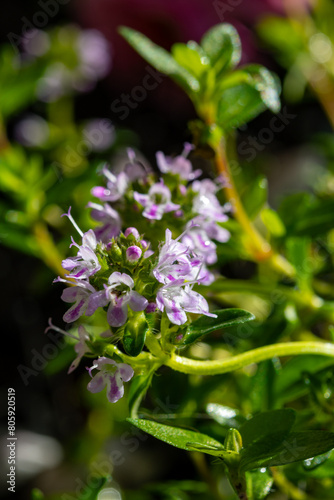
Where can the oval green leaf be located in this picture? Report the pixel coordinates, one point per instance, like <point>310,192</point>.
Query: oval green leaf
<point>160,59</point>
<point>204,325</point>
<point>265,423</point>
<point>295,447</point>
<point>191,57</point>
<point>223,46</point>
<point>182,438</point>
<point>256,90</point>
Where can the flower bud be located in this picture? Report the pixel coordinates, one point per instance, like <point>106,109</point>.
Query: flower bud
<point>135,334</point>
<point>133,231</point>
<point>133,253</point>
<point>115,252</point>
<point>233,441</point>
<point>151,307</point>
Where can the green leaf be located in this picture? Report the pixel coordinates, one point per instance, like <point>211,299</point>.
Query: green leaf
<point>260,392</point>
<point>254,195</point>
<point>175,490</point>
<point>295,447</point>
<point>299,254</point>
<point>135,334</point>
<point>138,389</point>
<point>252,457</point>
<point>251,91</point>
<point>304,215</point>
<point>223,46</point>
<point>320,467</point>
<point>182,438</point>
<point>273,222</point>
<point>259,483</point>
<point>289,383</point>
<point>191,57</point>
<point>160,59</point>
<point>204,325</point>
<point>265,423</point>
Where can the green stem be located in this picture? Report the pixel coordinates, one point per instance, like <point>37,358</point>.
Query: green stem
<point>216,367</point>
<point>144,360</point>
<point>257,246</point>
<point>238,482</point>
<point>153,345</point>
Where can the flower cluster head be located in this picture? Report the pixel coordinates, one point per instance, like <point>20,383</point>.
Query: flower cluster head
<point>172,229</point>
<point>121,272</point>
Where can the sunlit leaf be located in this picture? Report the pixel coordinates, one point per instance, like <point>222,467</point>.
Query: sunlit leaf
<point>223,46</point>
<point>204,325</point>
<point>160,59</point>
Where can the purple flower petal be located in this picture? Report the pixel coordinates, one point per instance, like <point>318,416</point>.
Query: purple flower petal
<point>97,383</point>
<point>72,294</point>
<point>100,192</point>
<point>74,364</point>
<point>96,300</point>
<point>151,307</point>
<point>117,278</point>
<point>89,239</point>
<point>75,311</point>
<point>115,389</point>
<point>126,371</point>
<point>137,302</point>
<point>176,315</point>
<point>70,263</point>
<point>153,211</point>
<point>133,253</point>
<point>117,316</point>
<point>169,207</point>
<point>133,231</point>
<point>142,199</point>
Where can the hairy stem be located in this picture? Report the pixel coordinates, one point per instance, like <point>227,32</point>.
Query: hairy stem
<point>216,367</point>
<point>259,248</point>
